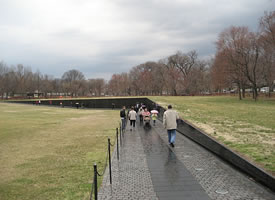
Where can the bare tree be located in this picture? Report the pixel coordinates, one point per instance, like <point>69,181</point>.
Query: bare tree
<point>96,86</point>
<point>3,76</point>
<point>134,81</point>
<point>198,80</point>
<point>56,85</point>
<point>73,81</point>
<point>267,43</point>
<point>184,62</point>
<point>22,77</point>
<point>46,84</point>
<point>241,50</point>
<point>173,77</point>
<point>158,78</point>
<point>114,85</point>
<point>10,82</point>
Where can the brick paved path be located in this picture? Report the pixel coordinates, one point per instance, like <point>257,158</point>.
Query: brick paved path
<point>149,169</point>
<point>130,175</point>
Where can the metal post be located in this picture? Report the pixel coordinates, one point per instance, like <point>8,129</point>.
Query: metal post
<point>120,135</point>
<point>120,129</point>
<point>125,122</point>
<point>95,181</point>
<point>110,165</point>
<point>117,143</point>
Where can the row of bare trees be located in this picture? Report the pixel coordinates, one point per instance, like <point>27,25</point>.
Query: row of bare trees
<point>20,81</point>
<point>244,60</point>
<point>181,73</point>
<point>178,74</point>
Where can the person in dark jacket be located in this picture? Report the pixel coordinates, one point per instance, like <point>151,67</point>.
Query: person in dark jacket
<point>123,117</point>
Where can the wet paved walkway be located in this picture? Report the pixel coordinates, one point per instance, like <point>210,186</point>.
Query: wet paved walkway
<point>149,169</point>
<point>171,179</point>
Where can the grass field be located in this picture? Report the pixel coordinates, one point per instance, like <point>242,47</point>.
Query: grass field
<point>48,153</point>
<point>245,126</point>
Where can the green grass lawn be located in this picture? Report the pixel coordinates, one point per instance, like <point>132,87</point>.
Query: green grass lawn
<point>48,153</point>
<point>246,126</point>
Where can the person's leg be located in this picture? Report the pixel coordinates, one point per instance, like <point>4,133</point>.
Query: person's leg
<point>131,123</point>
<point>169,136</point>
<point>134,123</point>
<point>123,124</point>
<point>173,136</point>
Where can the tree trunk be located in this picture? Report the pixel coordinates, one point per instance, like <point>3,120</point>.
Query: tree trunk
<point>255,93</point>
<point>243,91</point>
<point>175,92</point>
<point>239,92</point>
<point>270,90</point>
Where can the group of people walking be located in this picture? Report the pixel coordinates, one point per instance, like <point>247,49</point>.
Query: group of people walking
<point>132,115</point>
<point>170,118</point>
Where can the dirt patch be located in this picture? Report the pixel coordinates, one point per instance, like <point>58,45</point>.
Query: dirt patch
<point>206,127</point>
<point>209,129</point>
<point>238,131</point>
<point>271,142</point>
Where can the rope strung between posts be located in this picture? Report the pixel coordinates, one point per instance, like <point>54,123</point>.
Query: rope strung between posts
<point>112,144</point>
<point>97,173</point>
<point>105,166</point>
<point>106,162</point>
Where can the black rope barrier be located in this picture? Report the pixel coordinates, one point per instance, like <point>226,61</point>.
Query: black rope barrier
<point>105,166</point>
<point>112,144</point>
<point>94,190</point>
<point>96,173</point>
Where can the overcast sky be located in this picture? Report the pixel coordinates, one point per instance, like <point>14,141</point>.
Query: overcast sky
<point>102,37</point>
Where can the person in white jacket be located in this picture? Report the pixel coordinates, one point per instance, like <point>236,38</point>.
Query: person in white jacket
<point>170,123</point>
<point>132,117</point>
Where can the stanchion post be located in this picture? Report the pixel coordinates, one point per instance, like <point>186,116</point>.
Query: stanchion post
<point>110,164</point>
<point>124,128</point>
<point>117,143</point>
<point>95,180</point>
<point>120,135</point>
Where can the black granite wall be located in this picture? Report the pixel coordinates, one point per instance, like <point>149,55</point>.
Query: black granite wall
<point>110,103</point>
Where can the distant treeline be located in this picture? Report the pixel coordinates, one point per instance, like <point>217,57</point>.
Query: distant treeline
<point>243,60</point>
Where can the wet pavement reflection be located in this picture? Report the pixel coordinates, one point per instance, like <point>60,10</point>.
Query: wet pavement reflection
<point>171,179</point>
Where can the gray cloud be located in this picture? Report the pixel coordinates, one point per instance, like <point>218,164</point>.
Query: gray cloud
<point>102,37</point>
